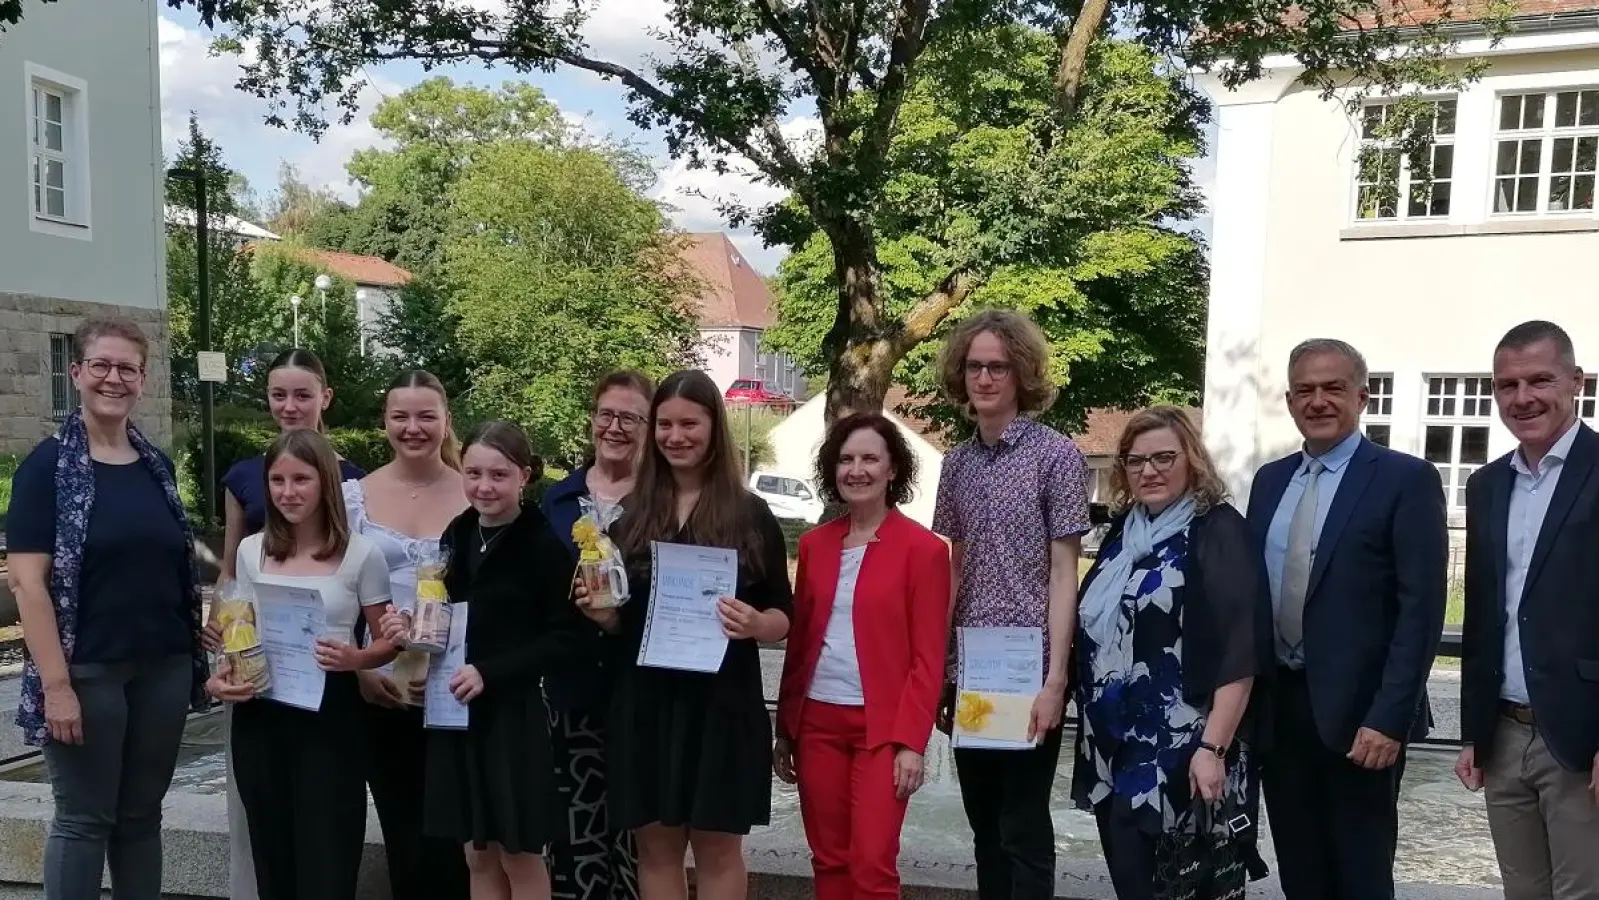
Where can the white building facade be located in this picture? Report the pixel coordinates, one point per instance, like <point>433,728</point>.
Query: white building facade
<point>1507,232</point>
<point>81,186</point>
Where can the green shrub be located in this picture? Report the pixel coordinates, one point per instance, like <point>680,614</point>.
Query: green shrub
<point>8,468</point>
<point>792,529</point>
<point>366,447</point>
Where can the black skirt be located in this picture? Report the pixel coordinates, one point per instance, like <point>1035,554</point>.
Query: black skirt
<point>690,750</point>
<point>494,783</point>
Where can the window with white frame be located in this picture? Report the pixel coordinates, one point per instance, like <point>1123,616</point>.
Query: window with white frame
<point>1381,162</point>
<point>1588,401</point>
<point>58,152</point>
<point>63,393</point>
<point>1455,429</point>
<point>1546,152</point>
<point>1378,420</point>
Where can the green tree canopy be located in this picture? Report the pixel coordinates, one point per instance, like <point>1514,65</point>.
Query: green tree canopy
<point>738,68</point>
<point>1086,233</point>
<point>559,271</point>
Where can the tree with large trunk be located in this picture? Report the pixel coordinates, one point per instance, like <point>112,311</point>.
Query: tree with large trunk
<point>739,68</point>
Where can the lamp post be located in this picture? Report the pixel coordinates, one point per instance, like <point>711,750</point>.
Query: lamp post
<point>295,302</point>
<point>362,298</point>
<point>202,234</point>
<point>323,284</point>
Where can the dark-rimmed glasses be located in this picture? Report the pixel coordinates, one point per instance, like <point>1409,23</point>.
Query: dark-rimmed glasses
<point>1163,461</point>
<point>628,422</point>
<point>101,368</point>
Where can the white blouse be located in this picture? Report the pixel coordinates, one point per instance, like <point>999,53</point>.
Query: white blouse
<point>838,669</point>
<point>361,580</point>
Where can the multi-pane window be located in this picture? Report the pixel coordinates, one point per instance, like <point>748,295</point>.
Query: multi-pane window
<point>1378,420</point>
<point>50,150</point>
<point>1455,429</point>
<point>63,393</point>
<point>1546,153</point>
<point>1588,401</point>
<point>1382,164</point>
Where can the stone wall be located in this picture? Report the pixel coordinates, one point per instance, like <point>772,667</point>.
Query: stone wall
<point>26,324</point>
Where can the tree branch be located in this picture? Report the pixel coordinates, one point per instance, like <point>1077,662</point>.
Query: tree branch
<point>781,151</point>
<point>920,321</point>
<point>1074,57</point>
<point>909,27</point>
<point>822,77</point>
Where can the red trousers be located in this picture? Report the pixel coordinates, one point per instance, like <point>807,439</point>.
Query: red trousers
<point>846,792</point>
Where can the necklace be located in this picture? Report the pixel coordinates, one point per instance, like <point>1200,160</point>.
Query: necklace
<point>417,488</point>
<point>485,539</point>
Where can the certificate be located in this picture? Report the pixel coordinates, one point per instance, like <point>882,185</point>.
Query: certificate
<point>1001,673</point>
<point>292,619</point>
<point>681,630</point>
<point>440,708</point>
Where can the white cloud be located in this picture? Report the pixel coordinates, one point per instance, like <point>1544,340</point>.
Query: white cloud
<point>620,31</point>
<point>193,79</point>
<point>694,195</point>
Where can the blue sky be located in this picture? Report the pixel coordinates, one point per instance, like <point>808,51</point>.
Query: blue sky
<point>194,80</point>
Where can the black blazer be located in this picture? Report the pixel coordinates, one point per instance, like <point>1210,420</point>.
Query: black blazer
<point>523,623</point>
<point>1559,611</point>
<point>1374,613</point>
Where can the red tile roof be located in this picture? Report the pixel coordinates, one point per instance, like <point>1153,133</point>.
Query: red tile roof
<point>1427,12</point>
<point>362,270</point>
<point>1105,426</point>
<point>735,295</point>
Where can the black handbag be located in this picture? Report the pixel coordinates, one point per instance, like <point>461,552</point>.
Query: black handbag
<point>1199,863</point>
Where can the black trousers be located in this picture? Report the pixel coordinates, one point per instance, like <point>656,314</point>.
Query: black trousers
<point>299,775</point>
<point>1129,854</point>
<point>1335,825</point>
<point>421,867</point>
<point>1007,798</point>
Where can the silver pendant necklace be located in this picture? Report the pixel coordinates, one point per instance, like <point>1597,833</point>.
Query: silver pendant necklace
<point>485,540</point>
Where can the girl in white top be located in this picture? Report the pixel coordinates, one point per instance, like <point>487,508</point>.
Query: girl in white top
<point>403,508</point>
<point>300,771</point>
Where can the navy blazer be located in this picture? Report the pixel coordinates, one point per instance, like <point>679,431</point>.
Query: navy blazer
<point>1559,609</point>
<point>1374,611</point>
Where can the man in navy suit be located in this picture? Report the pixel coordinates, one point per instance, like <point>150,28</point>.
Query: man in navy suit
<point>1529,694</point>
<point>1356,544</point>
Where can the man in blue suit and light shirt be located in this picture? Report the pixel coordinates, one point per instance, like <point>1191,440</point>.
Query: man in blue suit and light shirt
<point>1356,543</point>
<point>1529,693</point>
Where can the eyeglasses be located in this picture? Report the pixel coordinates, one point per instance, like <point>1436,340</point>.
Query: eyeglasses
<point>100,368</point>
<point>995,370</point>
<point>1163,461</point>
<point>627,421</point>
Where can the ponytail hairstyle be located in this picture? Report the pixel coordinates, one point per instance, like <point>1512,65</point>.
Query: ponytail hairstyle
<point>450,450</point>
<point>305,361</point>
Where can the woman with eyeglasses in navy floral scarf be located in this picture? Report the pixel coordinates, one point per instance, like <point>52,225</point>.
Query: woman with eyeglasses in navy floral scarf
<point>100,561</point>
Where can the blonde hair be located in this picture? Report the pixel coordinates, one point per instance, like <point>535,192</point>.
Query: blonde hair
<point>1025,346</point>
<point>1203,481</point>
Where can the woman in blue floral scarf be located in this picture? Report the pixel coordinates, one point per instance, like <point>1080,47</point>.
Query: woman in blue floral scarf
<point>1174,628</point>
<point>101,565</point>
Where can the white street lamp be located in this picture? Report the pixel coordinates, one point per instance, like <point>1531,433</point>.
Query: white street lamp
<point>295,302</point>
<point>362,298</point>
<point>323,284</point>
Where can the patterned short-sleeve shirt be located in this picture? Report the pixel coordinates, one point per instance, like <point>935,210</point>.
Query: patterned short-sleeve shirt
<point>1005,503</point>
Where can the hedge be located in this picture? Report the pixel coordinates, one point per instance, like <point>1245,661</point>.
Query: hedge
<point>366,447</point>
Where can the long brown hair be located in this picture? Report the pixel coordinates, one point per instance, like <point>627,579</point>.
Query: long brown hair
<point>721,517</point>
<point>1207,487</point>
<point>450,450</point>
<point>306,361</point>
<point>313,449</point>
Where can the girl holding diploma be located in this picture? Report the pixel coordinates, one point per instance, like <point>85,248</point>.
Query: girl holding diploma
<point>690,753</point>
<point>402,508</point>
<point>300,773</point>
<point>491,787</point>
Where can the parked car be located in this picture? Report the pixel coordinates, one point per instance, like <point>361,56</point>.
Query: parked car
<point>754,390</point>
<point>789,496</point>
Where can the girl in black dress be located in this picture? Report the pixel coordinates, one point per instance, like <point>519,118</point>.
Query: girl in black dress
<point>491,786</point>
<point>690,754</point>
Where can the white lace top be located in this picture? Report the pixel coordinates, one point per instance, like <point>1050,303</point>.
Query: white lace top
<point>401,551</point>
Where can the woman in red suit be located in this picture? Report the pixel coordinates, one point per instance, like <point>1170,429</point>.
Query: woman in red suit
<point>865,660</point>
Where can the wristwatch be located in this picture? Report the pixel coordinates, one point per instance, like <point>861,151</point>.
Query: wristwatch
<point>1220,751</point>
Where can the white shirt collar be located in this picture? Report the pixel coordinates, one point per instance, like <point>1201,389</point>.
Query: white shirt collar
<point>1557,454</point>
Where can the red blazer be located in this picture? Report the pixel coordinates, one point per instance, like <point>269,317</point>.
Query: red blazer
<point>902,603</point>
